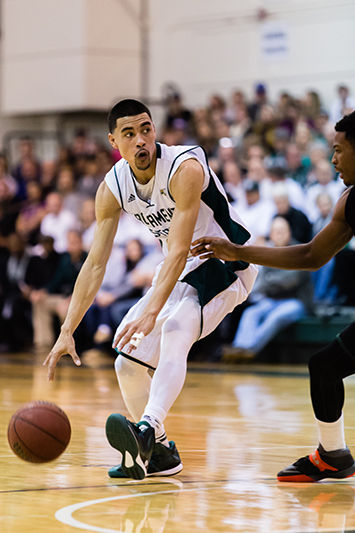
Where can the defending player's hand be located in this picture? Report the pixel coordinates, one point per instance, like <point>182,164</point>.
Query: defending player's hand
<point>65,345</point>
<point>133,333</point>
<point>208,247</point>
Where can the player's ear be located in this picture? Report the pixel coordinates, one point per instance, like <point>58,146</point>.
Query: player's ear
<point>112,141</point>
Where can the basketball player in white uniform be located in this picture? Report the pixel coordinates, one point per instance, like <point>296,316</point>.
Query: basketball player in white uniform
<point>173,192</point>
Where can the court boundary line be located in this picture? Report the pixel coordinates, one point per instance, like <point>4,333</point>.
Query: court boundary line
<point>64,515</point>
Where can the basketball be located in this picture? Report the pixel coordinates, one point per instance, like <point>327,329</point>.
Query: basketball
<point>39,432</point>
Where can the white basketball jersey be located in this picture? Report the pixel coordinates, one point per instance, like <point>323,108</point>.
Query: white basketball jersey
<point>216,216</point>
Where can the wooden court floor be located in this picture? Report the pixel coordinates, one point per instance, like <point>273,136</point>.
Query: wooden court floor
<point>234,429</point>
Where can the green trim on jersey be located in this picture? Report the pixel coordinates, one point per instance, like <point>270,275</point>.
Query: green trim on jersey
<point>209,279</point>
<point>118,186</point>
<point>235,232</point>
<point>214,276</point>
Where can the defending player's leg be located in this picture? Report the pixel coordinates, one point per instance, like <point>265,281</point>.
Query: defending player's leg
<point>337,464</point>
<point>332,459</point>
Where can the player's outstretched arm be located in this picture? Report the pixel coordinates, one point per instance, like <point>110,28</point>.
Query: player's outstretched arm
<point>310,256</point>
<point>89,279</point>
<point>186,188</point>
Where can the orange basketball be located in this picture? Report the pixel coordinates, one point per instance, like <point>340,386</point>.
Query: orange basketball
<point>39,432</point>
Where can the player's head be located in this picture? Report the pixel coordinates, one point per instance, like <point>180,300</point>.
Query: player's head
<point>344,148</point>
<point>132,132</point>
<point>125,108</point>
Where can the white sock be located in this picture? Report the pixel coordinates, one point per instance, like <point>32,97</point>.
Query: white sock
<point>160,435</point>
<point>331,434</point>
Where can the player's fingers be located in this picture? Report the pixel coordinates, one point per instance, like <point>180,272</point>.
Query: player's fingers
<point>46,361</point>
<point>51,369</point>
<point>199,249</point>
<point>207,255</point>
<point>135,341</point>
<point>124,340</point>
<point>117,341</point>
<point>75,358</point>
<point>201,240</point>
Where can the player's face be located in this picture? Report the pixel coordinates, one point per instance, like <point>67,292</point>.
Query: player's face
<point>344,158</point>
<point>135,137</point>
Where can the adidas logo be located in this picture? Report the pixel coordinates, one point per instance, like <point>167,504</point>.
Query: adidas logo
<point>131,198</point>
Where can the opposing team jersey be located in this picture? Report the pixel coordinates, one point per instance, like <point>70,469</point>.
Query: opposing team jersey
<point>216,216</point>
<point>350,209</point>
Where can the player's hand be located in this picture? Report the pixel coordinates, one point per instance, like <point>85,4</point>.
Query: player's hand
<point>133,333</point>
<point>208,247</point>
<point>64,345</point>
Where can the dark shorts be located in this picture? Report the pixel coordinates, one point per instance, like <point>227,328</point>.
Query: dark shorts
<point>346,338</point>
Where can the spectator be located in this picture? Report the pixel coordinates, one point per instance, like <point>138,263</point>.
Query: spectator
<point>9,209</point>
<point>325,183</point>
<point>177,115</point>
<point>88,183</point>
<point>232,180</point>
<point>279,298</point>
<point>311,106</point>
<point>57,221</point>
<point>318,151</point>
<point>81,145</point>
<point>139,279</point>
<point>48,176</point>
<point>297,167</point>
<point>87,221</point>
<point>5,177</point>
<point>66,186</point>
<point>31,214</point>
<point>118,291</point>
<point>325,290</point>
<point>16,269</point>
<point>259,99</point>
<point>301,228</point>
<point>241,126</point>
<point>54,298</point>
<point>324,204</point>
<point>217,108</point>
<point>238,101</point>
<point>256,213</point>
<point>104,162</point>
<point>277,176</point>
<point>28,167</point>
<point>265,127</point>
<point>342,105</point>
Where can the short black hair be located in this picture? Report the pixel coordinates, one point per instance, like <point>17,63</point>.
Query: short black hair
<point>125,108</point>
<point>347,125</point>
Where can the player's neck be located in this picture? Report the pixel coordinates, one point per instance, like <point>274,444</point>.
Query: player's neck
<point>143,176</point>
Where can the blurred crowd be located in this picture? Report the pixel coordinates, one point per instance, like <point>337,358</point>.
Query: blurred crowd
<point>274,161</point>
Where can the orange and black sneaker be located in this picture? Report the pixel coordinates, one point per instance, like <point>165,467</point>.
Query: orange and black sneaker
<point>337,464</point>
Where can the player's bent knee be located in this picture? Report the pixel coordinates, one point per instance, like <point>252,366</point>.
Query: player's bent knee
<point>125,367</point>
<point>323,364</point>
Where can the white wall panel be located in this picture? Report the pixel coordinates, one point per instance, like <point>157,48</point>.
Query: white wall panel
<point>207,46</point>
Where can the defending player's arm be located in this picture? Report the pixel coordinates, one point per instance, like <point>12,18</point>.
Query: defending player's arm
<point>90,277</point>
<point>310,256</point>
<point>186,187</point>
